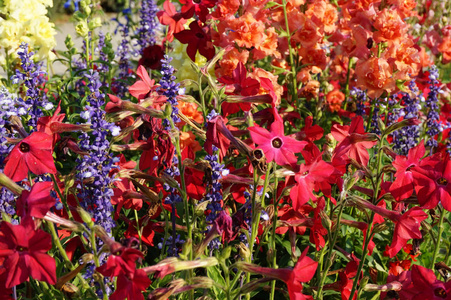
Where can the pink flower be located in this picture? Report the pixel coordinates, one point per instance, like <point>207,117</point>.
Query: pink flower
<point>276,146</point>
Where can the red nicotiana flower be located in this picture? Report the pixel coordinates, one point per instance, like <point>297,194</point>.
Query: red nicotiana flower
<point>312,177</point>
<point>354,142</point>
<point>121,261</point>
<point>423,284</point>
<point>131,286</point>
<point>276,146</point>
<point>199,7</point>
<point>34,154</point>
<point>24,250</point>
<point>143,87</point>
<point>36,202</point>
<point>433,184</point>
<point>197,39</point>
<point>170,17</point>
<point>304,271</point>
<point>402,187</point>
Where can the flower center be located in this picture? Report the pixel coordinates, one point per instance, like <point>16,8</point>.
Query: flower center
<point>442,181</point>
<point>440,292</point>
<point>24,147</point>
<point>277,143</point>
<point>20,248</point>
<point>199,35</point>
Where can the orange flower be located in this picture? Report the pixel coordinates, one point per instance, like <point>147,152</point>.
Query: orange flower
<point>188,139</point>
<point>405,58</point>
<point>189,109</point>
<point>323,14</point>
<point>406,8</point>
<point>258,73</point>
<point>268,46</point>
<point>334,100</point>
<point>375,74</point>
<point>314,57</point>
<point>308,33</point>
<point>230,61</point>
<point>389,26</point>
<point>445,49</point>
<point>246,31</point>
<point>310,90</point>
<point>226,7</point>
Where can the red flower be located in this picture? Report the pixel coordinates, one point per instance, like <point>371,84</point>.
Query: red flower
<point>354,142</point>
<point>24,250</point>
<point>36,202</point>
<point>120,262</point>
<point>407,227</point>
<point>170,17</point>
<point>141,88</point>
<point>310,178</point>
<point>131,286</point>
<point>425,285</point>
<point>402,187</point>
<point>304,271</point>
<point>310,133</point>
<point>434,184</point>
<point>34,154</point>
<point>276,146</point>
<point>197,39</point>
<point>151,57</point>
<point>199,7</point>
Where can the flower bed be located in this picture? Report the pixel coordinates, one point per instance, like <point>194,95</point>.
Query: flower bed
<point>227,150</point>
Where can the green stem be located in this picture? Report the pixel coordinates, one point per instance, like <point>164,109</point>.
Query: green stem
<point>369,233</point>
<point>63,199</point>
<point>292,64</point>
<point>347,83</point>
<point>273,235</point>
<point>138,228</point>
<point>63,253</point>
<point>439,237</point>
<point>265,184</point>
<point>254,225</point>
<point>330,252</point>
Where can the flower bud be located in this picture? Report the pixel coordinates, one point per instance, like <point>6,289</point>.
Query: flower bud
<point>86,217</point>
<point>82,29</point>
<point>94,23</point>
<point>244,251</point>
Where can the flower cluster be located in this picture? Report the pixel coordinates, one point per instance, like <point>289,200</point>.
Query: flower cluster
<point>146,31</point>
<point>26,22</point>
<point>32,78</point>
<point>93,168</point>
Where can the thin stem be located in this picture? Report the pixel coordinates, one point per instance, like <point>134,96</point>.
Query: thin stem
<point>63,199</point>
<point>254,224</point>
<point>273,235</point>
<point>439,237</point>
<point>265,184</point>
<point>347,83</point>
<point>63,253</point>
<point>330,252</point>
<point>369,233</point>
<point>138,227</point>
<point>292,64</point>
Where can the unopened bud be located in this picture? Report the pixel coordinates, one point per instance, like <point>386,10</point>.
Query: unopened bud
<point>244,251</point>
<point>86,217</point>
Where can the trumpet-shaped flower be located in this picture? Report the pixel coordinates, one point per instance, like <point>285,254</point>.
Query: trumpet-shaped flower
<point>24,250</point>
<point>34,154</point>
<point>276,146</point>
